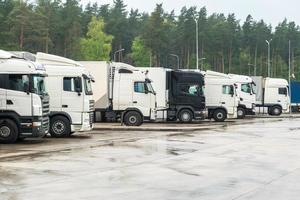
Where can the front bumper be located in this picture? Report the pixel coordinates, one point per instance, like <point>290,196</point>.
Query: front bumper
<point>38,127</point>
<point>87,123</point>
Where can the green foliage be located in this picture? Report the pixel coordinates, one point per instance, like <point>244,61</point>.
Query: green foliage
<point>97,44</point>
<point>140,54</point>
<point>229,45</point>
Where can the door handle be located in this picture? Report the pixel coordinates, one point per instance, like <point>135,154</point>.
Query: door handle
<point>223,103</point>
<point>278,101</point>
<point>9,102</point>
<point>134,102</point>
<point>64,106</point>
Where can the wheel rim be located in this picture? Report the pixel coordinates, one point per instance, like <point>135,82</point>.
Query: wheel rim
<point>132,119</point>
<point>240,113</point>
<point>186,116</point>
<point>276,111</point>
<point>220,115</point>
<point>4,131</point>
<point>59,128</point>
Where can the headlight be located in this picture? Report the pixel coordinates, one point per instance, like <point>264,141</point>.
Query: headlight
<point>36,124</point>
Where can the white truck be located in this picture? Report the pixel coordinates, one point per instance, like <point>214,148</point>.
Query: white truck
<point>221,98</point>
<point>71,95</point>
<point>69,87</point>
<point>272,95</point>
<point>179,94</point>
<point>246,94</point>
<point>121,92</point>
<point>24,103</point>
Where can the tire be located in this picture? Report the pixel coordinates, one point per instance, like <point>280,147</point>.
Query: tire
<point>220,115</point>
<point>8,131</point>
<point>241,113</point>
<point>185,116</point>
<point>60,127</point>
<point>133,118</point>
<point>275,111</point>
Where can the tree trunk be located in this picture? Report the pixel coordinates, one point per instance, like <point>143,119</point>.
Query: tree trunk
<point>22,37</point>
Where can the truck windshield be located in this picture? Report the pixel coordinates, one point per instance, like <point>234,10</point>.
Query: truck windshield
<point>88,86</point>
<point>38,85</point>
<point>150,88</point>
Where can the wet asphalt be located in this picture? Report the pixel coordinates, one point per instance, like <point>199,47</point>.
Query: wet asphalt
<point>250,159</point>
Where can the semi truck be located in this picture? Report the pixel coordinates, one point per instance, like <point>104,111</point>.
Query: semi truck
<point>221,97</point>
<point>70,91</point>
<point>245,91</point>
<point>24,102</point>
<point>272,95</point>
<point>121,93</point>
<point>179,94</point>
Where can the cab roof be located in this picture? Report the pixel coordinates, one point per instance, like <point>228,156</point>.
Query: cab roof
<point>11,63</point>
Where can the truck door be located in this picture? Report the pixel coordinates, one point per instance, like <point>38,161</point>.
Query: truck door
<point>229,98</point>
<point>72,98</point>
<point>141,98</point>
<point>18,97</point>
<point>283,97</point>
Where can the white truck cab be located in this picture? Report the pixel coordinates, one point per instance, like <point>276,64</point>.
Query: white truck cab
<point>272,94</point>
<point>246,94</point>
<point>121,92</point>
<point>24,102</point>
<point>221,98</point>
<point>71,95</point>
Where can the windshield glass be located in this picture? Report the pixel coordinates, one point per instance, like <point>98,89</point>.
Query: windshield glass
<point>150,88</point>
<point>88,86</point>
<point>38,85</point>
<point>253,88</point>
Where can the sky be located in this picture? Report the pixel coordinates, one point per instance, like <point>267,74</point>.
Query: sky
<point>271,11</point>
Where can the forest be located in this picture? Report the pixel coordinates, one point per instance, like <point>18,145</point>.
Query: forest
<point>95,32</point>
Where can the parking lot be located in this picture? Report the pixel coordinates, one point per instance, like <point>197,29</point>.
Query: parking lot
<point>251,159</point>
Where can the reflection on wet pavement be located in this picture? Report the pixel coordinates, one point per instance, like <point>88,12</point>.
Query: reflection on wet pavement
<point>258,160</point>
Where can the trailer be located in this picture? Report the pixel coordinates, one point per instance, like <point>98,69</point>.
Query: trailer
<point>295,96</point>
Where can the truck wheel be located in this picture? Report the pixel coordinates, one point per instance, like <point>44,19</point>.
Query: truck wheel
<point>8,131</point>
<point>133,118</point>
<point>185,116</point>
<point>241,113</point>
<point>276,111</point>
<point>60,127</point>
<point>219,115</point>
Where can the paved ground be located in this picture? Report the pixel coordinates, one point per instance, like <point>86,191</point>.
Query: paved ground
<point>250,159</point>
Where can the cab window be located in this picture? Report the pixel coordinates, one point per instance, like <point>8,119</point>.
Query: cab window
<point>189,90</point>
<point>228,89</point>
<point>18,82</point>
<point>282,91</point>
<point>139,87</point>
<point>246,88</point>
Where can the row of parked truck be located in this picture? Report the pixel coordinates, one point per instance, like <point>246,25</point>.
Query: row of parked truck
<point>41,93</point>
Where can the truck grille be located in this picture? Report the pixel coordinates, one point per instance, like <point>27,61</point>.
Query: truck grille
<point>46,111</point>
<point>92,105</point>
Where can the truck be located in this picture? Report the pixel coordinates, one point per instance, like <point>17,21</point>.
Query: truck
<point>245,91</point>
<point>121,93</point>
<point>295,96</point>
<point>221,97</point>
<point>272,95</point>
<point>179,94</point>
<point>70,91</point>
<point>24,102</point>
